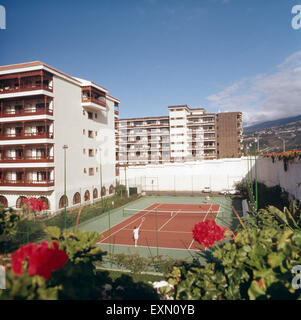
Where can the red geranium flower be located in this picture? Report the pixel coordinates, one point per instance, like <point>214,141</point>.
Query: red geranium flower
<point>42,260</point>
<point>207,232</point>
<point>35,204</point>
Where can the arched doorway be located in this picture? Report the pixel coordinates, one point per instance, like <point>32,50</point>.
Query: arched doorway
<point>111,189</point>
<point>95,193</point>
<point>20,202</point>
<point>3,201</point>
<point>76,198</point>
<point>62,202</point>
<point>44,199</point>
<point>103,191</point>
<point>87,195</point>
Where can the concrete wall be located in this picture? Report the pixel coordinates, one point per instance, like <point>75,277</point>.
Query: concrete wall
<point>194,176</point>
<point>216,174</point>
<point>272,174</point>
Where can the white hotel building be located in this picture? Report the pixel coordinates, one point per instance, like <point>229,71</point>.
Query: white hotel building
<point>41,110</point>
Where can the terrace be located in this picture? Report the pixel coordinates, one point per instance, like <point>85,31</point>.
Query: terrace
<point>39,105</point>
<point>93,98</point>
<point>26,130</point>
<point>26,153</point>
<point>26,177</point>
<point>26,81</point>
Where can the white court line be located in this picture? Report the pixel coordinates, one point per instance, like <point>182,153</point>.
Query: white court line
<point>130,245</point>
<point>169,220</point>
<point>202,221</point>
<point>219,210</point>
<point>149,210</point>
<point>147,230</point>
<point>208,212</point>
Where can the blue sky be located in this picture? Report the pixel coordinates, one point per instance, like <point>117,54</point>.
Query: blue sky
<point>223,55</point>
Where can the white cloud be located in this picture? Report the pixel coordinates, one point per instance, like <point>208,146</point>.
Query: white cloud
<point>266,96</point>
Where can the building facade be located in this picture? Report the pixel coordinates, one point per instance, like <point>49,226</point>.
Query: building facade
<point>41,111</point>
<point>185,135</point>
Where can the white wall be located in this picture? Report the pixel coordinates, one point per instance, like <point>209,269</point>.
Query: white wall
<point>69,124</point>
<point>194,176</point>
<point>217,174</point>
<point>272,174</point>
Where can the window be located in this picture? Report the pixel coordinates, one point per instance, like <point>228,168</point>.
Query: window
<point>91,171</point>
<point>95,115</point>
<point>84,131</point>
<point>90,134</point>
<point>84,151</point>
<point>85,170</point>
<point>90,115</point>
<point>95,133</point>
<point>91,153</point>
<point>84,112</point>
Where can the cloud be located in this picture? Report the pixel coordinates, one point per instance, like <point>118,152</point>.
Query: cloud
<point>266,96</point>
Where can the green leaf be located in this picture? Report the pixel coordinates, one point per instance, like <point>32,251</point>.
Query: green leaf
<point>256,290</point>
<point>53,232</point>
<point>297,237</point>
<point>287,212</point>
<point>275,259</point>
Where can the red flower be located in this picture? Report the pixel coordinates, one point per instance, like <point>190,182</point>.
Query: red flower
<point>35,204</point>
<point>42,260</point>
<point>207,232</point>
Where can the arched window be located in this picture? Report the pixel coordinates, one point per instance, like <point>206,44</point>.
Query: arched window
<point>87,195</point>
<point>44,199</point>
<point>111,189</point>
<point>3,201</point>
<point>95,193</point>
<point>103,191</point>
<point>20,202</point>
<point>76,198</point>
<point>62,202</point>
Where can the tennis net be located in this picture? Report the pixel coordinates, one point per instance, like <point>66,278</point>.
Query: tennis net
<point>168,213</point>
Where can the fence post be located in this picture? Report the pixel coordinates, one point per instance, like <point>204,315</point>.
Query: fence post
<point>174,184</point>
<point>109,215</point>
<point>157,241</point>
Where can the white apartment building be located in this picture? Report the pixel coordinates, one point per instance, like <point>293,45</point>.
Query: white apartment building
<point>41,111</point>
<point>187,134</point>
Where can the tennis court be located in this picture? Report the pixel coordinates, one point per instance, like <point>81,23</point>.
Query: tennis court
<point>164,225</point>
<point>171,245</point>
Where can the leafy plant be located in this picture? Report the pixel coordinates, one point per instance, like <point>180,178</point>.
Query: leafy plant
<point>256,265</point>
<point>8,222</point>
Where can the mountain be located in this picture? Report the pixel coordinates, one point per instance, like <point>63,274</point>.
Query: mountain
<point>274,136</point>
<point>270,124</point>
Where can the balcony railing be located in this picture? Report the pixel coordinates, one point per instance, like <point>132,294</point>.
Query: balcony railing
<point>21,159</point>
<point>26,87</point>
<point>26,112</point>
<point>26,135</point>
<point>100,101</point>
<point>27,183</point>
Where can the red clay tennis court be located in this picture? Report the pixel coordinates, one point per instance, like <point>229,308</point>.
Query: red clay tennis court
<point>164,225</point>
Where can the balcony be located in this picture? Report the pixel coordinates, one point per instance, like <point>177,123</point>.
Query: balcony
<point>26,177</point>
<point>26,81</point>
<point>94,99</point>
<point>25,159</point>
<point>26,135</point>
<point>21,112</point>
<point>26,183</point>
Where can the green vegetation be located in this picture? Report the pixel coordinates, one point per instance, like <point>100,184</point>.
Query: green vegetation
<point>267,196</point>
<point>24,230</point>
<point>254,264</point>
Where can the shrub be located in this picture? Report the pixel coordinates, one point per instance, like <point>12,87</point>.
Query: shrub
<point>256,265</point>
